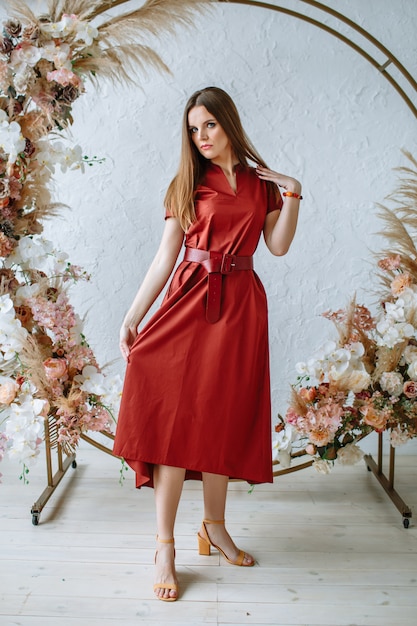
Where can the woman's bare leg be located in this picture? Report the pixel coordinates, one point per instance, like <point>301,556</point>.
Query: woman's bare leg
<point>215,492</point>
<point>168,483</point>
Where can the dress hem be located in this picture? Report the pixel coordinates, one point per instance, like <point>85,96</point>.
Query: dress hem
<point>144,474</point>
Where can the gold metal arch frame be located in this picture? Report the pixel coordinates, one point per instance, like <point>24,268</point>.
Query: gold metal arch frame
<point>388,60</point>
<point>382,67</point>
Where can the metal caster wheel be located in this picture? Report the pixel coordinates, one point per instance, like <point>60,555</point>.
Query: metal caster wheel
<point>74,464</point>
<point>406,522</point>
<point>35,518</point>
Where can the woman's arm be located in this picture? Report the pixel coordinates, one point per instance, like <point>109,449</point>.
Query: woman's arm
<point>279,227</point>
<point>153,283</point>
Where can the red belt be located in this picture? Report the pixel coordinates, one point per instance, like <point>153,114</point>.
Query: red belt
<point>216,265</point>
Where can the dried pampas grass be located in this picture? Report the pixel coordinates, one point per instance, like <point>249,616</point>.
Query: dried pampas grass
<point>401,224</point>
<point>121,48</point>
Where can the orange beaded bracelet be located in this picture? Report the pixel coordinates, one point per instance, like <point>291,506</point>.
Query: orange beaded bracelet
<point>292,194</point>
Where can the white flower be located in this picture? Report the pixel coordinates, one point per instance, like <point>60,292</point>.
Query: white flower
<point>409,298</point>
<point>32,252</point>
<point>24,427</point>
<point>54,29</point>
<point>58,154</point>
<point>85,32</point>
<point>113,393</point>
<point>301,368</point>
<point>76,331</point>
<point>24,55</point>
<point>12,141</point>
<point>58,54</point>
<point>393,333</point>
<point>355,380</point>
<point>26,292</point>
<point>322,467</point>
<point>395,310</point>
<point>6,306</point>
<point>282,445</point>
<point>22,78</point>
<point>410,354</point>
<point>412,370</point>
<point>356,351</point>
<point>349,454</point>
<point>92,380</point>
<point>339,363</point>
<point>392,382</point>
<point>68,23</point>
<point>71,158</point>
<point>12,335</point>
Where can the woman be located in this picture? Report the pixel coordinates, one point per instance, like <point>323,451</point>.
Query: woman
<point>196,400</point>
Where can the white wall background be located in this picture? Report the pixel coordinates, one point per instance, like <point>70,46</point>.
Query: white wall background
<point>313,107</point>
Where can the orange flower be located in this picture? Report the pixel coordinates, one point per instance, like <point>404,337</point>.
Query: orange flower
<point>308,395</point>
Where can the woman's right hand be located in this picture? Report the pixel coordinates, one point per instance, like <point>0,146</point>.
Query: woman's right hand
<point>127,336</point>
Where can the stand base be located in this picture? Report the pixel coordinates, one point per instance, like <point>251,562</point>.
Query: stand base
<point>387,483</point>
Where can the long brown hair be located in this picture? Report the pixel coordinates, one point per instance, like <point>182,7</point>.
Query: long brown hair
<point>179,199</point>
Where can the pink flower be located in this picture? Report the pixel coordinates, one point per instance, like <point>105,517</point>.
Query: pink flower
<point>65,77</point>
<point>292,417</point>
<point>58,317</point>
<point>410,389</point>
<point>324,423</point>
<point>390,263</point>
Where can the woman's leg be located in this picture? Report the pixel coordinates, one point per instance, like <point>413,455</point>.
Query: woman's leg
<point>215,492</point>
<point>168,483</point>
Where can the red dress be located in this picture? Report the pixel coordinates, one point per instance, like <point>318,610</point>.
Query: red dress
<point>197,395</point>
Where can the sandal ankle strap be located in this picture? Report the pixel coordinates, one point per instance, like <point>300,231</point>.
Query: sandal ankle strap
<point>211,521</point>
<point>165,540</point>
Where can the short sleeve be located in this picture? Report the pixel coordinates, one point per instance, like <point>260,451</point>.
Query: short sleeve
<point>274,199</point>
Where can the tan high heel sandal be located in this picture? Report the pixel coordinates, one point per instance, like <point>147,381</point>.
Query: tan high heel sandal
<point>205,543</point>
<point>170,586</point>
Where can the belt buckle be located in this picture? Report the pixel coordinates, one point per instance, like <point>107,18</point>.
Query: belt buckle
<point>228,263</point>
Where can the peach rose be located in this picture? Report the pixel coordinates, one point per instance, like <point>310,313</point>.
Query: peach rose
<point>410,389</point>
<point>8,392</point>
<point>374,418</point>
<point>55,368</point>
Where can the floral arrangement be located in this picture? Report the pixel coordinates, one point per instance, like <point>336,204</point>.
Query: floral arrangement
<point>367,380</point>
<point>47,369</point>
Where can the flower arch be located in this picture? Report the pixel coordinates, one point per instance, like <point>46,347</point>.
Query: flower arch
<point>49,375</point>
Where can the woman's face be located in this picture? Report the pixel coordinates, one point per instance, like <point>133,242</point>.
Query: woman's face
<point>207,135</point>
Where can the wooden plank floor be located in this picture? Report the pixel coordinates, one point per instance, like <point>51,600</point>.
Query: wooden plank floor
<point>331,551</point>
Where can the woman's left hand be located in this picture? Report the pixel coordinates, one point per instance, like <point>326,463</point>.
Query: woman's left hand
<point>286,182</point>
